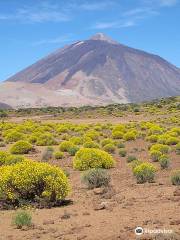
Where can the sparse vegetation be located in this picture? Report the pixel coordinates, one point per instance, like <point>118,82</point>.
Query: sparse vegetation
<point>97,177</point>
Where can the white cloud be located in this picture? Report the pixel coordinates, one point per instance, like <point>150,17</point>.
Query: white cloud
<point>168,3</point>
<point>96,6</point>
<point>161,3</point>
<point>43,12</point>
<point>118,24</point>
<point>61,39</point>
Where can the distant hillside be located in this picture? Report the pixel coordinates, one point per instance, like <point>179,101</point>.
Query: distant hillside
<point>98,71</point>
<point>4,106</point>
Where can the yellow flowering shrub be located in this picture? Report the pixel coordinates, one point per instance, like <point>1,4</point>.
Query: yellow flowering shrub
<point>144,172</point>
<point>87,158</point>
<point>9,159</point>
<point>21,147</point>
<point>45,139</point>
<point>31,180</point>
<point>160,147</point>
<point>65,146</point>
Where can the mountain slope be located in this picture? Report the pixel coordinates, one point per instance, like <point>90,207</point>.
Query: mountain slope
<point>95,71</point>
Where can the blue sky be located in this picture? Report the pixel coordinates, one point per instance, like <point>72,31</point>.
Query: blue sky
<point>29,30</point>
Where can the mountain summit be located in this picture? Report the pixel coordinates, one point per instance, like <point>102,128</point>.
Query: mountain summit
<point>103,37</point>
<point>92,72</point>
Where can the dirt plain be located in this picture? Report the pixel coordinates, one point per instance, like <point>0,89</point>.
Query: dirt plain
<point>106,214</point>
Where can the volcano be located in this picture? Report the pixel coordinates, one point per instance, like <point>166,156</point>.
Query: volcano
<point>97,71</point>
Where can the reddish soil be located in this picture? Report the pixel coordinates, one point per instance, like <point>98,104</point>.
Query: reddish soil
<point>126,206</point>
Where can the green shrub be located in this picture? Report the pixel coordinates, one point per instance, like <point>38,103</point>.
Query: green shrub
<point>72,151</point>
<point>106,141</point>
<point>21,219</point>
<point>2,144</point>
<point>97,177</point>
<point>178,148</point>
<point>31,181</point>
<point>110,148</point>
<point>164,161</point>
<point>87,158</point>
<point>47,154</point>
<point>152,138</point>
<point>175,178</point>
<point>46,140</point>
<point>58,155</point>
<point>76,140</point>
<point>65,146</point>
<point>172,141</point>
<point>160,147</point>
<point>131,158</point>
<point>155,155</point>
<point>117,134</point>
<point>131,135</point>
<point>21,147</point>
<point>144,172</point>
<point>135,163</point>
<point>94,135</point>
<point>14,136</point>
<point>122,152</point>
<point>90,144</point>
<point>120,145</point>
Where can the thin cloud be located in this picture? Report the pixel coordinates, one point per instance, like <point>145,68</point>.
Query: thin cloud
<point>61,39</point>
<point>38,14</point>
<point>161,3</point>
<point>168,3</point>
<point>118,24</point>
<point>96,6</point>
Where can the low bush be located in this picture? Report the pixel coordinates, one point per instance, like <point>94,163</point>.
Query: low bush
<point>65,146</point>
<point>172,141</point>
<point>9,159</point>
<point>160,147</point>
<point>117,134</point>
<point>32,181</point>
<point>47,154</point>
<point>144,172</point>
<point>152,138</point>
<point>22,218</point>
<point>87,158</point>
<point>135,163</point>
<point>178,149</point>
<point>175,178</point>
<point>90,144</point>
<point>72,151</point>
<point>21,147</point>
<point>106,141</point>
<point>110,148</point>
<point>122,152</point>
<point>131,158</point>
<point>131,135</point>
<point>14,136</point>
<point>164,161</point>
<point>46,139</point>
<point>120,145</point>
<point>94,178</point>
<point>155,155</point>
<point>58,155</point>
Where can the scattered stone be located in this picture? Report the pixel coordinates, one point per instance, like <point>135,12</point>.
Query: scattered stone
<point>101,206</point>
<point>175,222</point>
<point>98,191</point>
<point>86,213</point>
<point>177,192</point>
<point>66,215</point>
<point>47,222</point>
<point>81,237</point>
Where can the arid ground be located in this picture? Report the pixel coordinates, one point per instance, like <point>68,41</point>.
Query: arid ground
<point>108,213</point>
